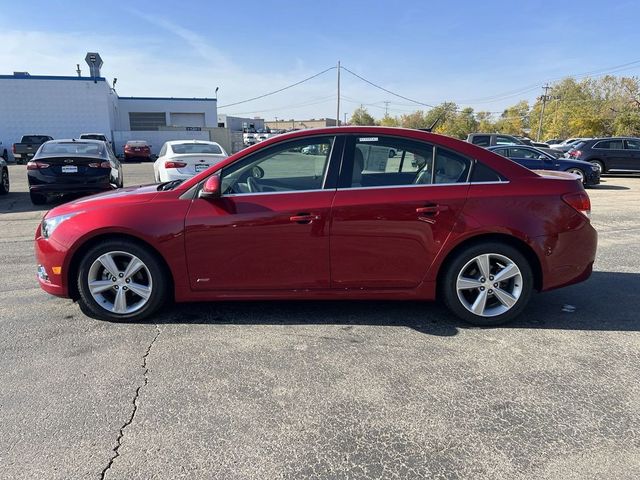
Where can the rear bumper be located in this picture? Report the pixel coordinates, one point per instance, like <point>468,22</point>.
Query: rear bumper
<point>56,188</point>
<point>567,258</point>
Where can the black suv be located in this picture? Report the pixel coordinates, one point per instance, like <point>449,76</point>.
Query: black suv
<point>612,154</point>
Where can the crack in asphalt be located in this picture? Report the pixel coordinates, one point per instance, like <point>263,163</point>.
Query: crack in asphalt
<point>116,449</point>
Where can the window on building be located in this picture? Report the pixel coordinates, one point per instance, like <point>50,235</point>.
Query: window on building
<point>147,120</point>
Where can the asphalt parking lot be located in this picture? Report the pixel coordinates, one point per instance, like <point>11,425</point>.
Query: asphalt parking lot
<point>323,390</point>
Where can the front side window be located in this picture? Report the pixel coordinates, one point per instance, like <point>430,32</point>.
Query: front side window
<point>524,153</point>
<point>296,165</point>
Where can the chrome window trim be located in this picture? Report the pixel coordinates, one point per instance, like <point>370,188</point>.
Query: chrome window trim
<point>275,193</point>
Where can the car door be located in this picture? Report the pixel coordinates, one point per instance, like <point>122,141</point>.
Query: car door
<point>632,150</point>
<point>270,228</point>
<point>612,152</point>
<point>392,214</point>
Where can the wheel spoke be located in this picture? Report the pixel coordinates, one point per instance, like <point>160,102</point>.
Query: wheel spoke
<point>134,267</point>
<point>99,286</point>
<point>483,265</point>
<point>506,273</point>
<point>107,262</point>
<point>505,298</point>
<point>480,303</point>
<point>465,283</point>
<point>120,302</point>
<point>141,290</point>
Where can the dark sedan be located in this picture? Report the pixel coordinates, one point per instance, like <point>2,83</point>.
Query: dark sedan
<point>72,166</point>
<point>535,159</point>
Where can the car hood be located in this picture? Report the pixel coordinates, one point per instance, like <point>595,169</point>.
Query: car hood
<point>121,196</point>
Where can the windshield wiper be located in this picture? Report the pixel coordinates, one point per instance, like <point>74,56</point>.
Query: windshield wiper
<point>169,185</point>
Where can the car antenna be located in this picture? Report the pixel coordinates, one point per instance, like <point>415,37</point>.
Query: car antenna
<point>433,125</point>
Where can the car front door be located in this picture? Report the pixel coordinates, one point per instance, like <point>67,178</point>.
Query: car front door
<point>392,213</point>
<point>531,159</point>
<point>270,228</point>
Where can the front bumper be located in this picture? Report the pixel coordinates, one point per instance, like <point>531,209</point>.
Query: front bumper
<point>51,267</point>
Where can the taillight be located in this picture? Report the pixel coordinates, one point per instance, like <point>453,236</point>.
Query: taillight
<point>100,165</point>
<point>13,148</point>
<point>579,201</point>
<point>575,153</point>
<point>174,164</point>
<point>36,165</point>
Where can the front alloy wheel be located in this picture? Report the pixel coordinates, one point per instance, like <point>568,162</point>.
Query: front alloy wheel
<point>578,172</point>
<point>488,284</point>
<point>120,280</point>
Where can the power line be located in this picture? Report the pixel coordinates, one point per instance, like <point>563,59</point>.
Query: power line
<point>385,90</point>
<point>279,90</point>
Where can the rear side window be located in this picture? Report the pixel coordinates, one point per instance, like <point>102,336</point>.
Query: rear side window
<point>609,145</point>
<point>633,144</point>
<point>482,173</point>
<point>502,140</point>
<point>481,140</point>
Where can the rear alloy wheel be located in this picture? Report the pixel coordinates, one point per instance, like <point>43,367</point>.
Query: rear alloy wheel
<point>599,165</point>
<point>37,198</point>
<point>578,172</point>
<point>4,182</point>
<point>120,281</point>
<point>488,284</point>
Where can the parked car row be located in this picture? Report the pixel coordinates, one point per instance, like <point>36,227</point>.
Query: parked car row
<point>86,166</point>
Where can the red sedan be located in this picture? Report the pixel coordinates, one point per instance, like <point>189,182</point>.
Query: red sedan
<point>372,213</point>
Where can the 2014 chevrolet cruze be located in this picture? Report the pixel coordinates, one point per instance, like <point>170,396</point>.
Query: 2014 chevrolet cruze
<point>441,218</point>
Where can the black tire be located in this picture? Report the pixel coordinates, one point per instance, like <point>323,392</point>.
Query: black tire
<point>154,275</point>
<point>460,263</point>
<point>37,199</point>
<point>599,164</point>
<point>4,182</point>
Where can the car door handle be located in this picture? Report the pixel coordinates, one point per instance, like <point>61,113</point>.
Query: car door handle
<point>431,209</point>
<point>304,218</point>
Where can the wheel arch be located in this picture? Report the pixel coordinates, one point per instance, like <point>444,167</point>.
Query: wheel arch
<point>74,264</point>
<point>515,242</point>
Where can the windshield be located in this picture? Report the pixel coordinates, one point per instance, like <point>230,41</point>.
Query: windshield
<point>73,148</point>
<point>183,148</point>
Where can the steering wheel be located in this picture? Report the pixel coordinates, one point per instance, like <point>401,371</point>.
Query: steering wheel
<point>252,184</point>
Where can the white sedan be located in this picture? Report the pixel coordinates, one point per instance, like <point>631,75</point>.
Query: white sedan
<point>182,159</point>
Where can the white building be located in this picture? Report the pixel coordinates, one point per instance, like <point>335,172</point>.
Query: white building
<point>65,107</point>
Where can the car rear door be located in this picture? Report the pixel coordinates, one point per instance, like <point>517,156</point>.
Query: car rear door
<point>270,228</point>
<point>632,149</point>
<point>388,223</point>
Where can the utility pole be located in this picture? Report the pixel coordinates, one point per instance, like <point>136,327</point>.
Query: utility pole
<point>345,118</point>
<point>338,107</point>
<point>386,108</point>
<point>544,99</point>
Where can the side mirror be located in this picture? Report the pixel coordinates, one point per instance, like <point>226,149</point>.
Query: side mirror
<point>211,188</point>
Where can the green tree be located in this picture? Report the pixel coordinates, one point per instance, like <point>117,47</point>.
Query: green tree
<point>361,117</point>
<point>389,121</point>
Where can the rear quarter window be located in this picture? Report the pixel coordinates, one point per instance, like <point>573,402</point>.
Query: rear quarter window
<point>481,174</point>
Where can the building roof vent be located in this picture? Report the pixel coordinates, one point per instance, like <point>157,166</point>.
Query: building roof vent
<point>95,63</point>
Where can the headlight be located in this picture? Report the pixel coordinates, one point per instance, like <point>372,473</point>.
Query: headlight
<point>51,223</point>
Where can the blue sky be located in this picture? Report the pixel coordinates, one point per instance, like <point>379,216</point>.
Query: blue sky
<point>473,53</point>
